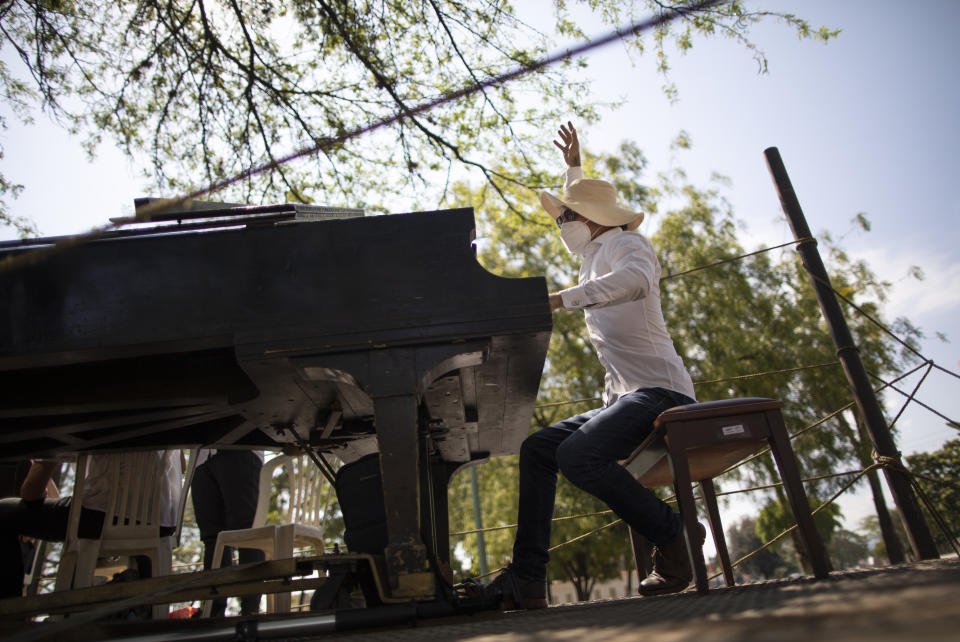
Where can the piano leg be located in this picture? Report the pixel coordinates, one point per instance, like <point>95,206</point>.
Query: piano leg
<point>408,571</point>
<point>434,506</point>
<point>393,379</point>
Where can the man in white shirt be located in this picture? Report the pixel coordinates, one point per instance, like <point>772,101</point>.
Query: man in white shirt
<point>619,292</point>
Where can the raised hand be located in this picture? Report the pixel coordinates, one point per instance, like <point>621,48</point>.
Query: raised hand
<point>570,146</point>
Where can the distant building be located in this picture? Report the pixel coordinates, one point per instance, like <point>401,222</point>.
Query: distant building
<point>606,589</point>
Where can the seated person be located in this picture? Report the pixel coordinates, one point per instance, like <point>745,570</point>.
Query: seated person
<point>34,515</point>
<point>11,478</point>
<point>618,292</point>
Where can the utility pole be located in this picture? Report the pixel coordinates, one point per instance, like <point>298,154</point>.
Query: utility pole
<point>849,356</point>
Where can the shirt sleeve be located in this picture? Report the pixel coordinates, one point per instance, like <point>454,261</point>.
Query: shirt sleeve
<point>572,174</point>
<point>633,269</point>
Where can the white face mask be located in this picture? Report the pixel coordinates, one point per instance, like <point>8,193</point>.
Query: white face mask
<point>575,235</point>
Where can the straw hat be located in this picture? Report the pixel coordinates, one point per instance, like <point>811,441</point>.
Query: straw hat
<point>593,199</point>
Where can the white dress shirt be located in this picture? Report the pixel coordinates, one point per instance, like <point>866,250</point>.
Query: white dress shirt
<point>619,292</point>
<point>98,484</point>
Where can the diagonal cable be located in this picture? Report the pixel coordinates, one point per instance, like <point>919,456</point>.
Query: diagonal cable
<point>146,213</point>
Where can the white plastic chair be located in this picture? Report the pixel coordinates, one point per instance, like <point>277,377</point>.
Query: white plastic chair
<point>131,525</point>
<point>302,521</point>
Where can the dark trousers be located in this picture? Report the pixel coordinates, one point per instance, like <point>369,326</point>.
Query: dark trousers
<point>586,449</point>
<point>225,489</point>
<point>46,519</point>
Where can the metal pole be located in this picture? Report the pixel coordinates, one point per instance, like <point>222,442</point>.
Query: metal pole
<point>478,521</point>
<point>849,356</point>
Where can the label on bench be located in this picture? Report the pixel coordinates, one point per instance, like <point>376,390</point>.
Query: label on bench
<point>737,429</point>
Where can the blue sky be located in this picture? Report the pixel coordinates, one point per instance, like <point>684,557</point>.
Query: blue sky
<point>867,123</point>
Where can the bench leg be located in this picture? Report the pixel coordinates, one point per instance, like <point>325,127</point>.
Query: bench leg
<point>680,471</point>
<point>716,527</point>
<point>790,475</point>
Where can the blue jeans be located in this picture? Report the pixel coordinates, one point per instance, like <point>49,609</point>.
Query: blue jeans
<point>586,449</point>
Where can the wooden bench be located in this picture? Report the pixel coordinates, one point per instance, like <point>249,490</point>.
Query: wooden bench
<point>697,442</point>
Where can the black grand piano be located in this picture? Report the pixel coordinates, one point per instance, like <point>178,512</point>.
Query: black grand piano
<point>250,327</point>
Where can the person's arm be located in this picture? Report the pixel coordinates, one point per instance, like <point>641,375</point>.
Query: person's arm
<point>34,486</point>
<point>635,269</point>
<point>570,148</point>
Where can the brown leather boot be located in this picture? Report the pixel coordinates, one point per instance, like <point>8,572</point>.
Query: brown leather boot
<point>516,592</point>
<point>671,566</point>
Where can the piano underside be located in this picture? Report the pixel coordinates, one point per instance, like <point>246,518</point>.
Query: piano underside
<point>207,398</point>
